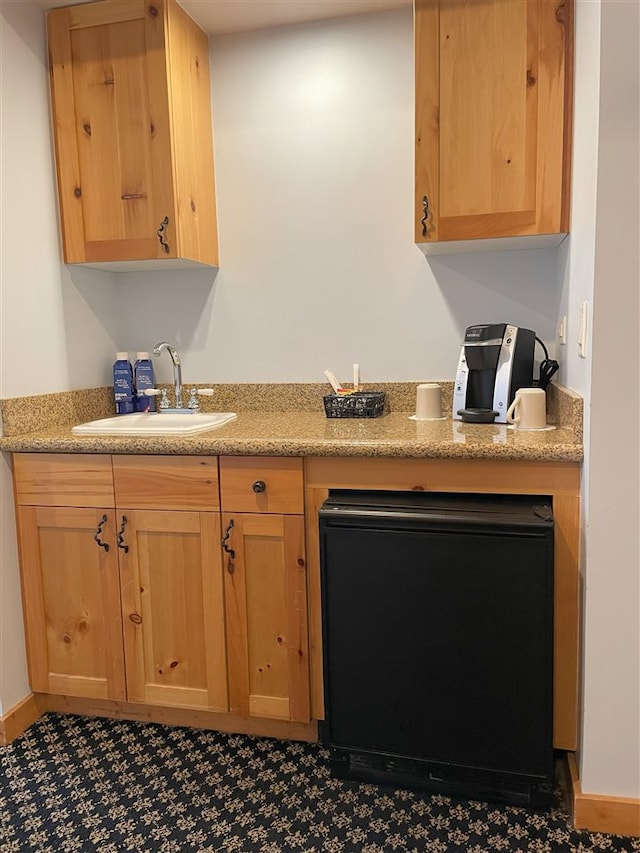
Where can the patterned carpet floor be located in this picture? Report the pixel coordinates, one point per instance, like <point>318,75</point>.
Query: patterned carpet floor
<point>80,785</point>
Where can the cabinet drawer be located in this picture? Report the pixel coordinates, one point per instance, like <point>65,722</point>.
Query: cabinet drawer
<point>242,479</point>
<point>166,482</point>
<point>57,479</point>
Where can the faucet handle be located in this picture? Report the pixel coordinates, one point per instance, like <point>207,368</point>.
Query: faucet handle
<point>193,403</point>
<point>194,393</point>
<point>157,392</point>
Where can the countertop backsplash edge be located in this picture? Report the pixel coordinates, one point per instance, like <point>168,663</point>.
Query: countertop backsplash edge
<point>24,415</point>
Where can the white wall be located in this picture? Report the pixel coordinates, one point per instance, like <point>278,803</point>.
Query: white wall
<point>577,253</point>
<point>57,325</point>
<point>313,136</point>
<point>610,752</point>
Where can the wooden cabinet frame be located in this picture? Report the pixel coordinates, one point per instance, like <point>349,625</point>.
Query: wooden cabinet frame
<point>130,93</point>
<point>559,480</point>
<point>86,475</point>
<point>170,677</point>
<point>493,121</point>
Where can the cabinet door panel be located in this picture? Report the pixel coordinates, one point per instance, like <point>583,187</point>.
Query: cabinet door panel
<point>492,118</point>
<point>265,590</point>
<point>106,57</point>
<point>173,612</point>
<point>111,117</point>
<point>72,601</point>
<point>488,129</point>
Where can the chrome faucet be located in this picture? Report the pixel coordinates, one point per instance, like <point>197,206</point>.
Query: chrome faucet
<point>177,369</point>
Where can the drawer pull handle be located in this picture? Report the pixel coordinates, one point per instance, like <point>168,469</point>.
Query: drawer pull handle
<point>96,538</point>
<point>232,554</point>
<point>121,544</point>
<point>259,487</point>
<point>225,539</point>
<point>426,215</point>
<point>161,234</point>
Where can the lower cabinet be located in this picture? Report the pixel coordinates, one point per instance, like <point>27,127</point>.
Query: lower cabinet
<point>265,577</point>
<point>172,607</point>
<point>71,596</point>
<point>129,596</point>
<point>265,586</point>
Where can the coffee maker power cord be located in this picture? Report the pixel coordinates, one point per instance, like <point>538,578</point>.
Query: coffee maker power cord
<point>548,367</point>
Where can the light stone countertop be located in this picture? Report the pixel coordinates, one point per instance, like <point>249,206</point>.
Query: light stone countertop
<point>289,420</point>
<point>304,433</point>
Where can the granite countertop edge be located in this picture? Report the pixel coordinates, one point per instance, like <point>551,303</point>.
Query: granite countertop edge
<point>310,434</point>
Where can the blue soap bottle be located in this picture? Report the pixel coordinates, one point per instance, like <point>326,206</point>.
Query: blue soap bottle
<point>123,384</point>
<point>144,379</point>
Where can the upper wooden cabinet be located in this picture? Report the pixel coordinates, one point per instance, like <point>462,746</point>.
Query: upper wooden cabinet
<point>493,120</point>
<point>132,124</point>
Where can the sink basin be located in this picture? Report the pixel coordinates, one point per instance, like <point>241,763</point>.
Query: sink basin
<point>155,423</point>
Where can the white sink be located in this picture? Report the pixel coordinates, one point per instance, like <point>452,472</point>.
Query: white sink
<point>155,423</point>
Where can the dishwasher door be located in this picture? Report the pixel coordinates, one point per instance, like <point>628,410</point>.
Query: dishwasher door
<point>438,640</point>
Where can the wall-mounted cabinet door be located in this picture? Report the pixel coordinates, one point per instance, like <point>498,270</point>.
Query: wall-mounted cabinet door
<point>172,604</point>
<point>132,123</point>
<point>71,598</point>
<point>493,118</point>
<point>266,608</point>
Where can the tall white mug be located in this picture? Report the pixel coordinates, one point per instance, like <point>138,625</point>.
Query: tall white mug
<point>529,409</point>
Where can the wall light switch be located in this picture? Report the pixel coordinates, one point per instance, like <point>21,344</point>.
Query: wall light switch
<point>562,331</point>
<point>582,330</point>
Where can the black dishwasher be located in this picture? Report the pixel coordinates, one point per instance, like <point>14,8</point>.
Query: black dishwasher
<point>438,642</point>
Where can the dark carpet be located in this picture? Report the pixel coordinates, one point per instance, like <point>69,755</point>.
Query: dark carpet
<point>80,785</point>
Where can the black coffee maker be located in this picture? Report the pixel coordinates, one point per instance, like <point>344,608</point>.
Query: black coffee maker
<point>496,359</point>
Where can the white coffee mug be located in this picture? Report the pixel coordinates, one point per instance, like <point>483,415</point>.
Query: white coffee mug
<point>428,402</point>
<point>529,409</point>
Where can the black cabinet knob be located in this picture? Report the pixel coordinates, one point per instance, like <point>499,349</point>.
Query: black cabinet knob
<point>259,486</point>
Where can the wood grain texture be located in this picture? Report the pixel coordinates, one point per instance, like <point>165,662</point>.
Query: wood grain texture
<point>56,479</point>
<point>561,481</point>
<point>426,22</point>
<point>110,12</point>
<point>101,58</point>
<point>267,616</point>
<point>566,648</point>
<point>18,719</point>
<point>315,499</point>
<point>566,14</point>
<point>172,603</point>
<point>196,718</point>
<point>63,110</point>
<point>104,251</point>
<point>444,475</point>
<point>161,130</point>
<point>166,482</point>
<point>132,121</point>
<point>283,478</point>
<point>488,154</point>
<point>71,601</point>
<point>192,137</point>
<point>601,813</point>
<point>493,125</point>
